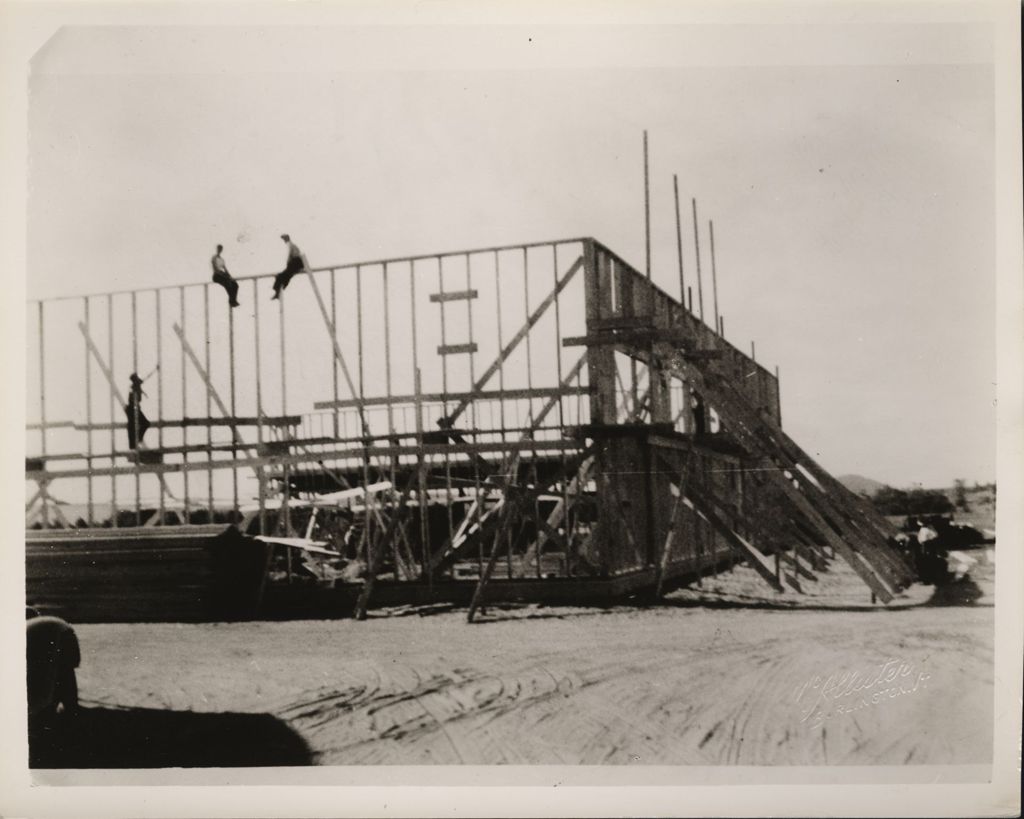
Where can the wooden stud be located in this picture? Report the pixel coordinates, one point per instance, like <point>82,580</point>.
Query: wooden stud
<point>339,359</point>
<point>42,404</point>
<point>90,510</point>
<point>696,244</point>
<point>647,213</point>
<point>714,271</point>
<point>135,404</point>
<point>679,241</point>
<point>114,400</point>
<point>208,370</point>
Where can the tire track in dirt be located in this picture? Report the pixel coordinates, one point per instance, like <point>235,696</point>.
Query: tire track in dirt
<point>668,685</point>
<point>732,704</point>
<point>442,717</point>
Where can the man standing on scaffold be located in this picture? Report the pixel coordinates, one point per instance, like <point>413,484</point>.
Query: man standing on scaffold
<point>138,423</point>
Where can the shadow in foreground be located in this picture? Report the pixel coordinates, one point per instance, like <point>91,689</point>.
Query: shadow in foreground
<point>152,738</point>
<point>963,592</point>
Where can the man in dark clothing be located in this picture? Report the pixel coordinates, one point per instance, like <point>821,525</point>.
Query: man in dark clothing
<point>223,278</point>
<point>138,423</point>
<point>296,264</point>
<point>700,414</point>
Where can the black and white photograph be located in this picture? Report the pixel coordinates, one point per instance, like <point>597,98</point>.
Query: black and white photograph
<point>445,397</point>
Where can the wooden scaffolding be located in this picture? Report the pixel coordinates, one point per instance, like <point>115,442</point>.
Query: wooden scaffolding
<point>530,417</point>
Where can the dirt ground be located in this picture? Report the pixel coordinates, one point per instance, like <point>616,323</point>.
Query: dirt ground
<point>725,674</point>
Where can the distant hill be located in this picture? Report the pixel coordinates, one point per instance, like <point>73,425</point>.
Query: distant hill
<point>860,485</point>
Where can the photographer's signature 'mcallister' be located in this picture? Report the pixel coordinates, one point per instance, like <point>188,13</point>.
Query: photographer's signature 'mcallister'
<point>822,698</point>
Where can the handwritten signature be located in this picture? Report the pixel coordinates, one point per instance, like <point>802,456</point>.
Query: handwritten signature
<point>822,698</point>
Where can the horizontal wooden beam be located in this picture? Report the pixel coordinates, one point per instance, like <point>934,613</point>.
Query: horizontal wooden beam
<point>640,336</point>
<point>441,397</point>
<point>456,349</point>
<point>312,458</point>
<point>50,425</point>
<point>236,421</point>
<point>630,430</point>
<point>621,323</point>
<point>35,463</point>
<point>457,295</point>
<point>348,266</point>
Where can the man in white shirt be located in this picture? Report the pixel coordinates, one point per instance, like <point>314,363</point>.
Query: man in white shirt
<point>223,278</point>
<point>296,264</point>
<point>925,535</point>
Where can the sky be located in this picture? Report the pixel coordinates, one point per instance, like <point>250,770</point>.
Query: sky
<point>849,171</point>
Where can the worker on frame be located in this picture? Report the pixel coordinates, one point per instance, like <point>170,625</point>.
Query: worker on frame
<point>138,423</point>
<point>296,264</point>
<point>223,278</point>
<point>700,413</point>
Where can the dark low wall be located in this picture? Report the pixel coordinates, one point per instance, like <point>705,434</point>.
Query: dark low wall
<point>108,576</point>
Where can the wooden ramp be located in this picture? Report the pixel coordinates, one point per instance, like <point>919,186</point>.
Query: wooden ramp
<point>839,519</point>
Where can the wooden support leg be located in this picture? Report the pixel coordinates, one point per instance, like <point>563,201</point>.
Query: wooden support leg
<point>378,547</point>
<point>666,549</point>
<point>507,516</point>
<point>755,558</point>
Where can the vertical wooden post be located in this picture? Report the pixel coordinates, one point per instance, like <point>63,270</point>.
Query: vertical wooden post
<point>714,271</point>
<point>113,415</point>
<point>285,511</point>
<point>234,409</point>
<point>501,386</point>
<point>501,340</point>
<point>90,509</point>
<point>184,402</point>
<point>600,359</point>
<point>367,517</point>
<point>561,424</point>
<point>135,419</point>
<point>778,396</point>
<point>42,409</point>
<point>444,392</point>
<point>601,375</point>
<point>473,409</point>
<point>391,420</point>
<point>558,332</point>
<point>262,472</point>
<point>526,314</point>
<point>696,244</point>
<point>647,212</point>
<point>159,392</point>
<point>422,480</point>
<point>283,351</point>
<point>702,558</point>
<point>704,549</point>
<point>529,386</point>
<point>334,358</point>
<point>387,350</point>
<point>209,428</point>
<point>679,241</point>
<point>415,340</point>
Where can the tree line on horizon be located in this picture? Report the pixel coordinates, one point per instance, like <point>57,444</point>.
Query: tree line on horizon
<point>891,501</point>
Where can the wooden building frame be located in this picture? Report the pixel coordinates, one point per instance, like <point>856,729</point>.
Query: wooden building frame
<point>541,413</point>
